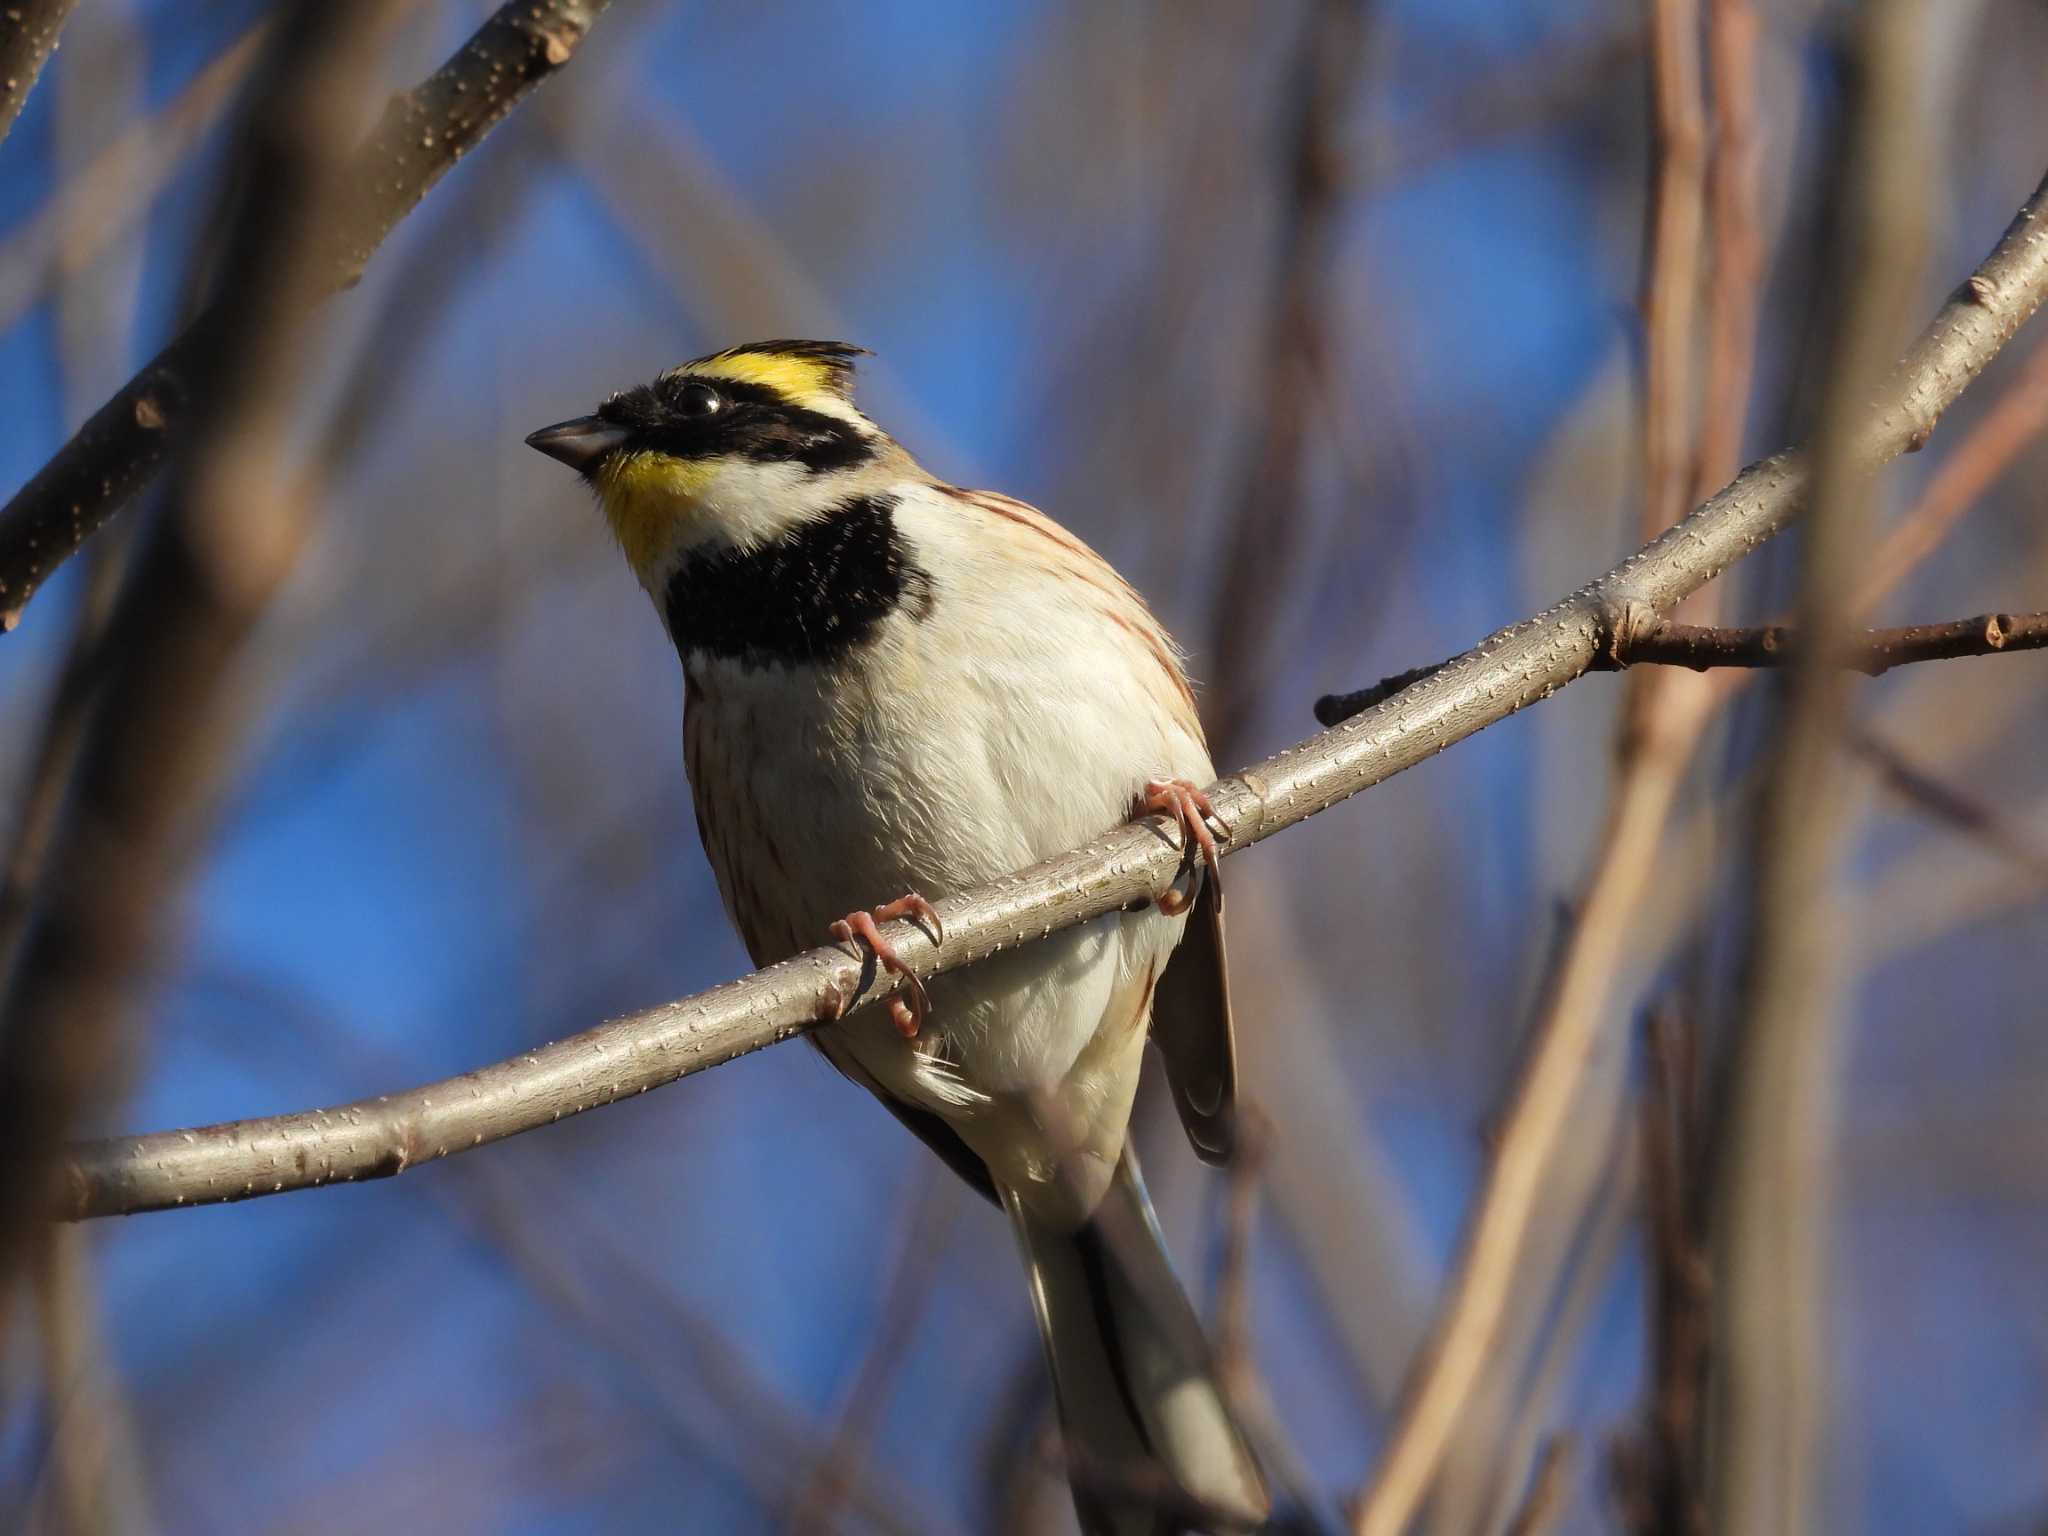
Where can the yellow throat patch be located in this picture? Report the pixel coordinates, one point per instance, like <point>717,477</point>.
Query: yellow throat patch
<point>642,495</point>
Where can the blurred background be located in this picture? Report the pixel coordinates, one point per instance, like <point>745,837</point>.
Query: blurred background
<point>1324,322</point>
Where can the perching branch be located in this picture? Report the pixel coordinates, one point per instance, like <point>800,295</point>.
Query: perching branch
<point>1126,865</point>
<point>423,133</point>
<point>28,36</point>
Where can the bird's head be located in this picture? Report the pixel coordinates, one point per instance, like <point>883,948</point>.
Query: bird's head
<point>727,451</point>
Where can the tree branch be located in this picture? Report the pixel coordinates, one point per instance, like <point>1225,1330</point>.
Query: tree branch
<point>423,133</point>
<point>141,737</point>
<point>1874,652</point>
<point>28,36</point>
<point>1126,865</point>
<point>1706,647</point>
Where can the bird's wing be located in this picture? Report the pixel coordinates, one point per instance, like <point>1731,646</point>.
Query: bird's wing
<point>921,1123</point>
<point>1192,1027</point>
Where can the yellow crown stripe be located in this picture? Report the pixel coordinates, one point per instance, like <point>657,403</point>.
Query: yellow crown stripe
<point>794,378</point>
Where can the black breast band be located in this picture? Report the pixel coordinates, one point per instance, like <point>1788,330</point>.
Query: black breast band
<point>812,595</point>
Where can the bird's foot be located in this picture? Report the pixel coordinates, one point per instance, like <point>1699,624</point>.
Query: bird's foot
<point>909,1008</point>
<point>1184,803</point>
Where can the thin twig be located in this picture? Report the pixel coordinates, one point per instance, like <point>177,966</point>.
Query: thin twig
<point>1707,647</point>
<point>1872,652</point>
<point>28,36</point>
<point>1513,667</point>
<point>424,132</point>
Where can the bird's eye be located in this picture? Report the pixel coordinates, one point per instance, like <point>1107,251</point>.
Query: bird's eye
<point>699,400</point>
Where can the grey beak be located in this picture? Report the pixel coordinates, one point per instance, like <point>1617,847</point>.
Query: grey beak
<point>580,444</point>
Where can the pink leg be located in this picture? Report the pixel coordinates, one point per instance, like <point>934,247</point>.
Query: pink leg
<point>1184,802</point>
<point>908,1012</point>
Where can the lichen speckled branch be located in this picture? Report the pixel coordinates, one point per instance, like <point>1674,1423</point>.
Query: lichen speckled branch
<point>1514,667</point>
<point>28,36</point>
<point>423,133</point>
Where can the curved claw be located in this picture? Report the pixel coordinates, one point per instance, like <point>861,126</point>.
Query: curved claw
<point>1185,803</point>
<point>909,1008</point>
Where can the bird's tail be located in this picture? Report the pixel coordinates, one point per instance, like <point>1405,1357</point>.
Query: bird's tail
<point>1152,1446</point>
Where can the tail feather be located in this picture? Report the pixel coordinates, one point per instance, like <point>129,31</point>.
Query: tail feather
<point>1152,1445</point>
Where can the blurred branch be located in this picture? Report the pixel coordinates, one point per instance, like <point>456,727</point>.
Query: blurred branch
<point>1657,751</point>
<point>2015,420</point>
<point>28,36</point>
<point>93,1479</point>
<point>1549,1488</point>
<point>1263,536</point>
<point>1541,1114</point>
<point>1986,824</point>
<point>111,195</point>
<point>1735,275</point>
<point>1499,103</point>
<point>1768,1396</point>
<point>1672,277</point>
<point>1656,1471</point>
<point>821,1493</point>
<point>153,746</point>
<point>423,133</point>
<point>1130,864</point>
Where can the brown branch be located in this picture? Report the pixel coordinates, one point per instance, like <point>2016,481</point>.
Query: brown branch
<point>1874,652</point>
<point>28,36</point>
<point>151,748</point>
<point>1707,647</point>
<point>1511,668</point>
<point>424,132</point>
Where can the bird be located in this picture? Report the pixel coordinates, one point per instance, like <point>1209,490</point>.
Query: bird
<point>895,688</point>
